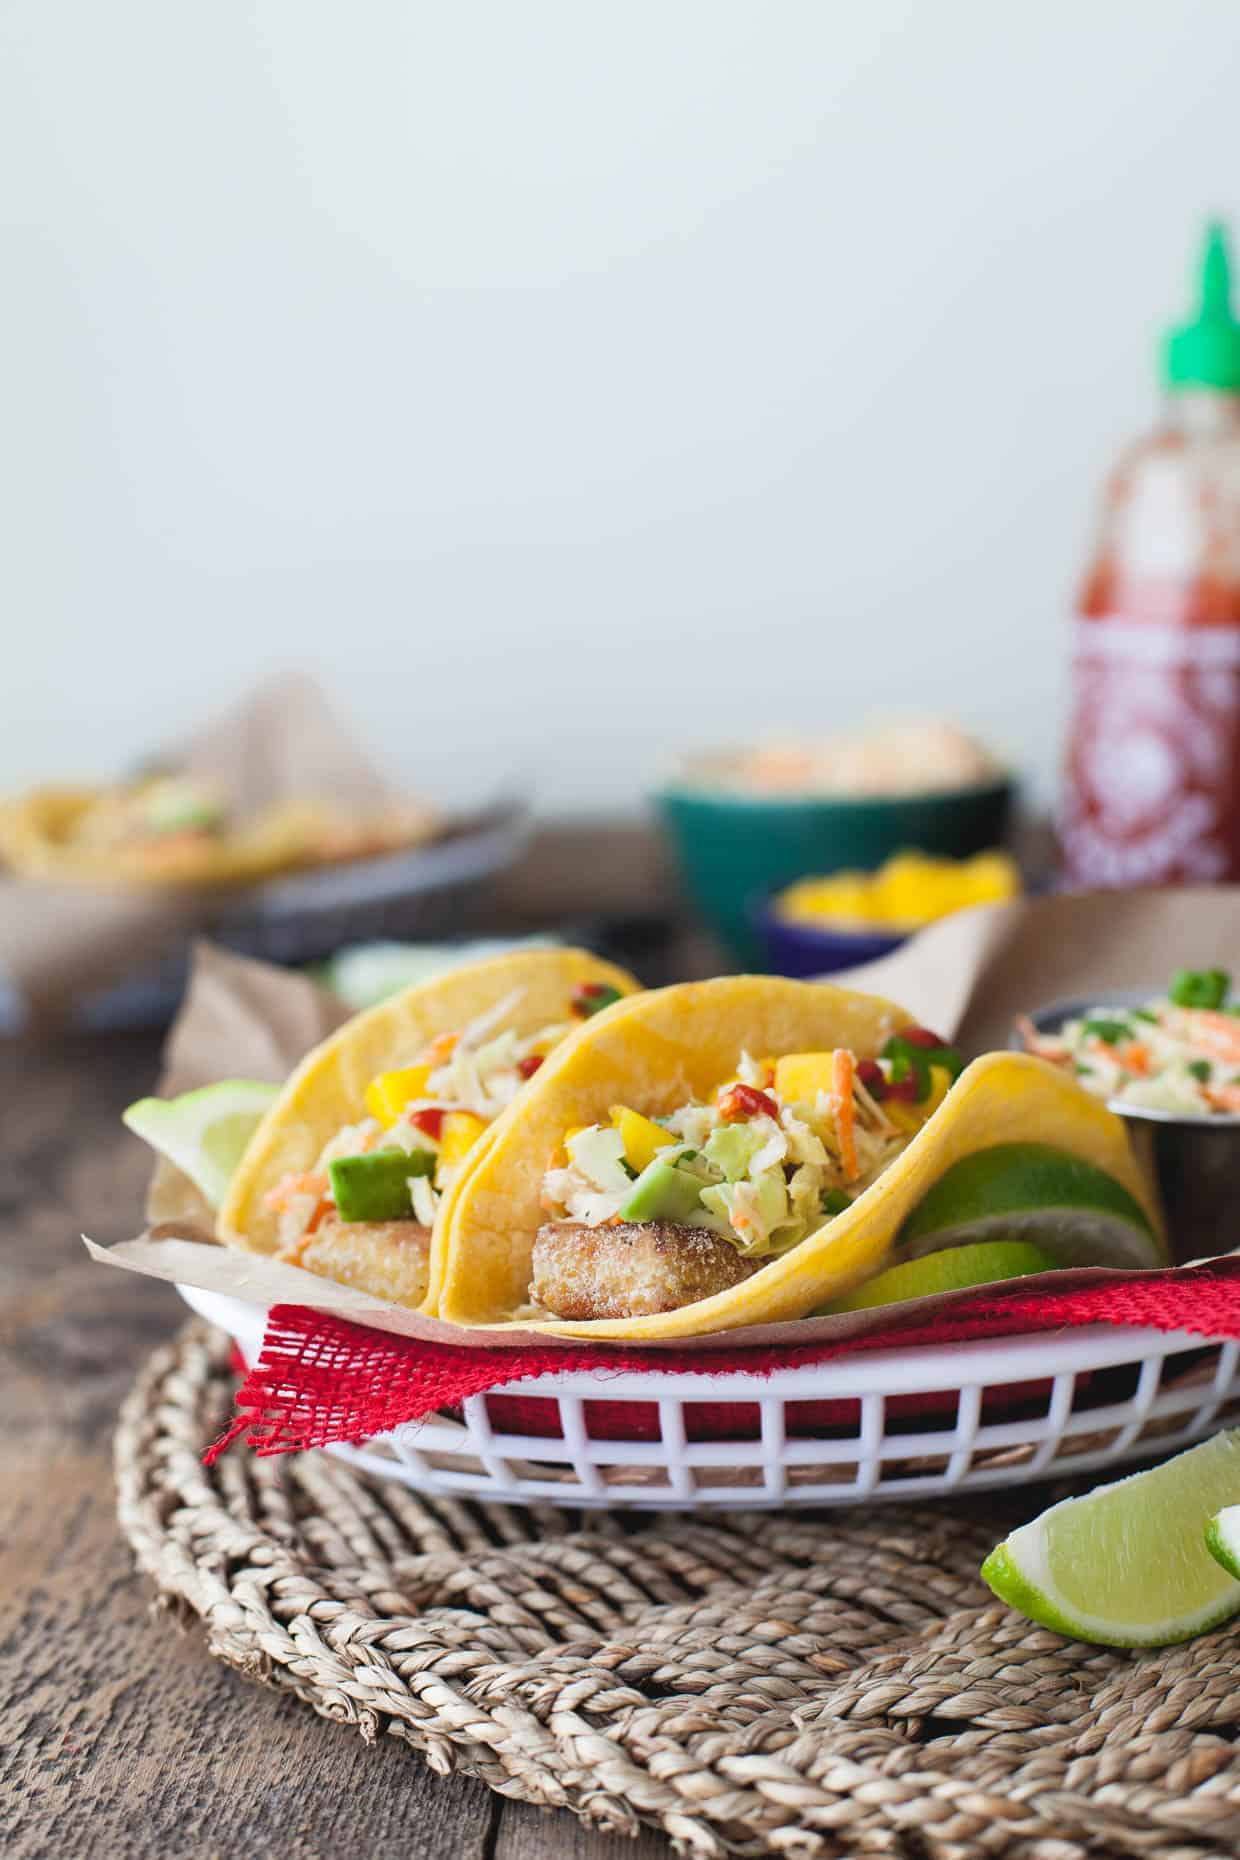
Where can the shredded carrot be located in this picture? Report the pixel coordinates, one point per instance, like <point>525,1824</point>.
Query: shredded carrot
<point>1044,1045</point>
<point>842,1071</point>
<point>1218,1034</point>
<point>442,1048</point>
<point>1135,1057</point>
<point>1223,1097</point>
<point>279,1197</point>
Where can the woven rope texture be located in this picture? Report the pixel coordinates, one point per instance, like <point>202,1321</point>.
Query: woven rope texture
<point>753,1685</point>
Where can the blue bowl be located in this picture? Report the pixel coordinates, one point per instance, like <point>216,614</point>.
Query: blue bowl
<point>802,949</point>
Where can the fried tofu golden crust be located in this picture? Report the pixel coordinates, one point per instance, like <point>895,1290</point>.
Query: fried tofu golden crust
<point>629,1268</point>
<point>388,1259</point>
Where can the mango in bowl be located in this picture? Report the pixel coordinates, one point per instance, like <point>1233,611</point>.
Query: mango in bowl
<point>818,925</point>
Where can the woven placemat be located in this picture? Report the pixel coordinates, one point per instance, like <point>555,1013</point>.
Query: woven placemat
<point>751,1684</point>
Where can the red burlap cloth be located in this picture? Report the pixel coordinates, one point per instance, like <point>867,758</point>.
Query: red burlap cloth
<point>319,1380</point>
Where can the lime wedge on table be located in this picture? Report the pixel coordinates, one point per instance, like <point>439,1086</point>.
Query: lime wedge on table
<point>1028,1191</point>
<point>951,1271</point>
<point>204,1132</point>
<point>1127,1565</point>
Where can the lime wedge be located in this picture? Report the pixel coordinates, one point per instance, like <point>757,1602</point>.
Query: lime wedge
<point>1223,1539</point>
<point>1028,1191</point>
<point>951,1271</point>
<point>204,1132</point>
<point>1127,1565</point>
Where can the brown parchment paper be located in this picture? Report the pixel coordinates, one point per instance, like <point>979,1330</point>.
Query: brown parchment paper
<point>970,974</point>
<point>283,742</point>
<point>967,977</point>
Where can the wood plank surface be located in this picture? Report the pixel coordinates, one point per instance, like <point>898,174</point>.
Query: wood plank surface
<point>528,1833</point>
<point>120,1737</point>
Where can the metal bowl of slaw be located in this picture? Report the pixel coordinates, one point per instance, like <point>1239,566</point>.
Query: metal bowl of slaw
<point>1193,1161</point>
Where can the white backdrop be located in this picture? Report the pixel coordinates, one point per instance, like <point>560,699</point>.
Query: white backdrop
<point>566,381</point>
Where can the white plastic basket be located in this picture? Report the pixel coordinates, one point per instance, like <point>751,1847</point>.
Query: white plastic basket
<point>908,1423</point>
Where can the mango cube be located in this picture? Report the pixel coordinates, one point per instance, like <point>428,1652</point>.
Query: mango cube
<point>389,1093</point>
<point>907,1118</point>
<point>461,1130</point>
<point>799,1077</point>
<point>940,1085</point>
<point>640,1136</point>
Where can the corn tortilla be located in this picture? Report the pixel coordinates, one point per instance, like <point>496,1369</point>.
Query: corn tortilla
<point>326,1092</point>
<point>661,1049</point>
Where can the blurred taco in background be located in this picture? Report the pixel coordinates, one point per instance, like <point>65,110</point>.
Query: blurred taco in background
<point>348,1169</point>
<point>746,1150</point>
<point>172,828</point>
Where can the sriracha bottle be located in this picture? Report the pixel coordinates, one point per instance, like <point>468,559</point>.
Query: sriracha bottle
<point>1152,790</point>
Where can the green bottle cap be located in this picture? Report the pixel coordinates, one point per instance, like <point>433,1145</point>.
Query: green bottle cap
<point>1206,352</point>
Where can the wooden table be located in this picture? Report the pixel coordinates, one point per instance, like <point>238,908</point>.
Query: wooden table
<point>120,1738</point>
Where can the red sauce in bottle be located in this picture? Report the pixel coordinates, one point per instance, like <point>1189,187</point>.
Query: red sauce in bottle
<point>1152,792</point>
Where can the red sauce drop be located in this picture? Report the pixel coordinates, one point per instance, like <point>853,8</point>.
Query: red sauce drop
<point>743,1101</point>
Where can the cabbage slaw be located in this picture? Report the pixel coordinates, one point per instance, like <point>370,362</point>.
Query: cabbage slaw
<point>1177,1053</point>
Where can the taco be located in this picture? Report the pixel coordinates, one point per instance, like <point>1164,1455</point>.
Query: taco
<point>740,1151</point>
<point>172,829</point>
<point>351,1169</point>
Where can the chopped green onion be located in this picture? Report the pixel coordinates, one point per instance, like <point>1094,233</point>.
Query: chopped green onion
<point>1199,988</point>
<point>949,1059</point>
<point>1083,1072</point>
<point>1200,1069</point>
<point>590,998</point>
<point>1144,1014</point>
<point>1110,1032</point>
<point>835,1201</point>
<point>908,1061</point>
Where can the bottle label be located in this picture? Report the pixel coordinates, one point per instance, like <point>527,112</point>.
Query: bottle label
<point>1153,754</point>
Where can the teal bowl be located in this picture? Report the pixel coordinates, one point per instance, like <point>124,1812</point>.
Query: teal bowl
<point>731,849</point>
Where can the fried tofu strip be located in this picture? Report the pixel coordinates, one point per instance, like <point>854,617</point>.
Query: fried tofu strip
<point>388,1259</point>
<point>629,1268</point>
